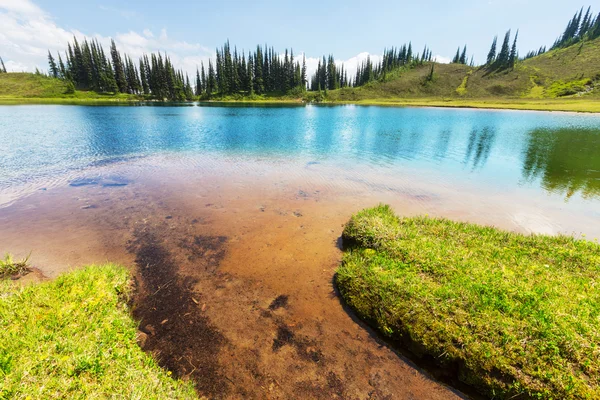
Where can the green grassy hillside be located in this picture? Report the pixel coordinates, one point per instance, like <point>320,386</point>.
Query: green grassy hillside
<point>30,85</point>
<point>564,79</point>
<point>574,71</point>
<point>22,87</point>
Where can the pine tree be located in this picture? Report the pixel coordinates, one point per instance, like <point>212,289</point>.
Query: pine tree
<point>258,71</point>
<point>463,56</point>
<point>503,57</point>
<point>61,67</point>
<point>512,58</point>
<point>456,58</point>
<point>491,58</point>
<point>144,77</point>
<point>203,77</point>
<point>430,76</point>
<point>250,74</point>
<point>118,67</point>
<point>198,83</point>
<point>212,81</point>
<point>53,67</point>
<point>586,23</point>
<point>303,76</point>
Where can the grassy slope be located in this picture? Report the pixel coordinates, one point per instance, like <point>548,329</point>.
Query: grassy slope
<point>515,315</point>
<point>31,88</point>
<point>536,83</point>
<point>539,83</point>
<point>74,338</point>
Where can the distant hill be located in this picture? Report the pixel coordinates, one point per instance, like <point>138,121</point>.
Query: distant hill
<point>572,71</point>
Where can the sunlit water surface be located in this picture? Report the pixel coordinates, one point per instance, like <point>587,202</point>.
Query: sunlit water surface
<point>538,159</point>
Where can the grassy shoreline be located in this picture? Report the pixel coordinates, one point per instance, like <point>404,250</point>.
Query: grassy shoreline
<point>515,316</point>
<point>563,105</point>
<point>73,337</point>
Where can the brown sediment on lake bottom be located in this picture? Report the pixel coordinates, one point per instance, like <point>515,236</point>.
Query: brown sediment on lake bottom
<point>175,330</point>
<point>234,281</point>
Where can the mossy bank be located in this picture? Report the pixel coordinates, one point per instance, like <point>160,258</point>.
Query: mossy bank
<point>516,316</point>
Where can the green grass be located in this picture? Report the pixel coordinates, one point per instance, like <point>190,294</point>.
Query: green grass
<point>30,85</point>
<point>559,80</point>
<point>10,266</point>
<point>27,88</point>
<point>74,338</point>
<point>516,316</point>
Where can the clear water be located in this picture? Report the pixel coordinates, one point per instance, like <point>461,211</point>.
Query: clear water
<point>555,154</point>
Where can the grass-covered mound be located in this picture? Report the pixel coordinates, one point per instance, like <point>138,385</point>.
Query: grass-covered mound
<point>74,338</point>
<point>517,316</point>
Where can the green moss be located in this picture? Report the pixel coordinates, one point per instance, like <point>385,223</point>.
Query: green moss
<point>513,315</point>
<point>74,338</point>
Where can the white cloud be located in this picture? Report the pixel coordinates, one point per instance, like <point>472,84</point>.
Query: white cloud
<point>26,35</point>
<point>442,59</point>
<point>22,7</point>
<point>28,32</point>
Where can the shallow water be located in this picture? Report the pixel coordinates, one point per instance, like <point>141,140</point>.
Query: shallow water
<point>241,206</point>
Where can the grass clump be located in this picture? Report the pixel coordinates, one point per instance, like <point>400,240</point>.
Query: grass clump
<point>516,316</point>
<point>74,338</point>
<point>11,267</point>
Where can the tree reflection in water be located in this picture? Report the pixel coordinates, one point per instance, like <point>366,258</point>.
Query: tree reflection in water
<point>566,160</point>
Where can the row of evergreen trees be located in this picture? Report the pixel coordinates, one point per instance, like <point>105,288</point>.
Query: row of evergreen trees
<point>328,76</point>
<point>393,59</point>
<point>264,71</point>
<point>506,57</point>
<point>2,66</point>
<point>87,66</point>
<point>580,27</point>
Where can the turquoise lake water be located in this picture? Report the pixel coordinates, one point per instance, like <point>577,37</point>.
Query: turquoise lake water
<point>520,153</point>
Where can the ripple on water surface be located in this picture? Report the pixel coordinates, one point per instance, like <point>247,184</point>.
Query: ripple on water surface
<point>548,158</point>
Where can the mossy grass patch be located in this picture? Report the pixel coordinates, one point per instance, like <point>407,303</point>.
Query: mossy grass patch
<point>515,315</point>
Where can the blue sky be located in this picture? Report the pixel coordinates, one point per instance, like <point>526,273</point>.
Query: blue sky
<point>350,29</point>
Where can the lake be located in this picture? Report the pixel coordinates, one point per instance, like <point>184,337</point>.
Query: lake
<point>244,206</point>
<point>549,160</point>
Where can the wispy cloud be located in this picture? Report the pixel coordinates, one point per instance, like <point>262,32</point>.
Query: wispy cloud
<point>28,32</point>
